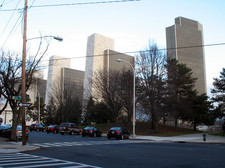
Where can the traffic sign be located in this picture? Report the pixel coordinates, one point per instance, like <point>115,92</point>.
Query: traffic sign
<point>17,97</point>
<point>20,98</point>
<point>24,104</point>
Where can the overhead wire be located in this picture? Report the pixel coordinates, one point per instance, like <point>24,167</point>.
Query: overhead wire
<point>140,51</point>
<point>2,3</point>
<point>10,19</point>
<point>16,25</point>
<point>72,4</point>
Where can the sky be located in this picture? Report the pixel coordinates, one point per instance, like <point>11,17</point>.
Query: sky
<point>131,25</point>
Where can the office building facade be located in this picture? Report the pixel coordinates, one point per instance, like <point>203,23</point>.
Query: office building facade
<point>101,57</point>
<point>56,63</point>
<point>184,42</point>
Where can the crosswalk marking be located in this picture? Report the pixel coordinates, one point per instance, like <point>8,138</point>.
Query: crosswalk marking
<point>22,160</point>
<point>85,143</point>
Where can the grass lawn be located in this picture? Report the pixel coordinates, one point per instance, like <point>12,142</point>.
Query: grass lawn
<point>144,128</point>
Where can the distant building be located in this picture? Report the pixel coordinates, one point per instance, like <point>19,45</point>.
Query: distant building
<point>182,40</point>
<point>60,74</point>
<point>56,63</point>
<point>101,57</point>
<point>73,79</point>
<point>38,87</point>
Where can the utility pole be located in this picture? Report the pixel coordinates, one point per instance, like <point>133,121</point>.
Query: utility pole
<point>24,73</point>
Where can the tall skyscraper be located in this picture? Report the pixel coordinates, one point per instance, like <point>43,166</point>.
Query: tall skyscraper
<point>184,42</point>
<point>61,75</point>
<point>101,57</point>
<point>56,63</point>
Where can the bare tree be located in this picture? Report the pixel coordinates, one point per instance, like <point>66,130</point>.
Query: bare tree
<point>67,101</point>
<point>10,80</point>
<point>150,89</point>
<point>114,89</point>
<point>106,86</point>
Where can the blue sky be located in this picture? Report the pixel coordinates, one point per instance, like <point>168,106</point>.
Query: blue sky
<point>130,24</point>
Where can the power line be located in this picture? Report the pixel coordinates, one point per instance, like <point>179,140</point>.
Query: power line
<point>15,25</point>
<point>9,18</point>
<point>133,52</point>
<point>72,4</point>
<point>13,29</point>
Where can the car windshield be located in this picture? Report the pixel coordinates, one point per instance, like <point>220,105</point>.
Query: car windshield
<point>115,128</point>
<point>19,127</point>
<point>89,128</point>
<point>51,126</point>
<point>39,125</point>
<point>5,126</point>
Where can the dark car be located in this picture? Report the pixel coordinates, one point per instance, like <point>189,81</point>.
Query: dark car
<point>118,133</point>
<point>18,133</point>
<point>37,127</point>
<point>91,131</point>
<point>3,129</point>
<point>52,128</point>
<point>70,128</point>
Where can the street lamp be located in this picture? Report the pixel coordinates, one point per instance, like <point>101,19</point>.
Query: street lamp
<point>54,37</point>
<point>134,116</point>
<point>24,70</point>
<point>24,78</point>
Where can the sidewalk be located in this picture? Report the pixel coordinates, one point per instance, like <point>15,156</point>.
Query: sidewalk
<point>13,147</point>
<point>189,138</point>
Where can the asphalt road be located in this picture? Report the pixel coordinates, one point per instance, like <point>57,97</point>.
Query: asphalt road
<point>101,152</point>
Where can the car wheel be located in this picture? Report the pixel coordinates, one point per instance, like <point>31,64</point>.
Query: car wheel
<point>122,137</point>
<point>48,132</point>
<point>109,137</point>
<point>83,135</point>
<point>17,139</point>
<point>27,137</point>
<point>55,132</point>
<point>62,133</point>
<point>37,130</point>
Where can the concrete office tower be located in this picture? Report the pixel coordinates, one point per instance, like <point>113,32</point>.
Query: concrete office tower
<point>38,87</point>
<point>100,56</point>
<point>73,80</point>
<point>56,63</point>
<point>96,46</point>
<point>182,39</point>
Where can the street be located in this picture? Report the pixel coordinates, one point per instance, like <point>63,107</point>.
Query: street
<point>74,150</point>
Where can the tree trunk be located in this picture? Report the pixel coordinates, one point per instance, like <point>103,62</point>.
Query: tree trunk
<point>16,118</point>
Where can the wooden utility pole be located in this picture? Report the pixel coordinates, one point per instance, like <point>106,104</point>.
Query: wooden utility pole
<point>24,73</point>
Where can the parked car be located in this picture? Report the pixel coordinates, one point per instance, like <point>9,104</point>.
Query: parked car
<point>52,128</point>
<point>3,129</point>
<point>91,131</point>
<point>118,133</point>
<point>18,133</point>
<point>70,128</point>
<point>37,127</point>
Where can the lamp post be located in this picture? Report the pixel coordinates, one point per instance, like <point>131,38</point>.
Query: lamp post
<point>24,69</point>
<point>38,94</point>
<point>54,37</point>
<point>134,116</point>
